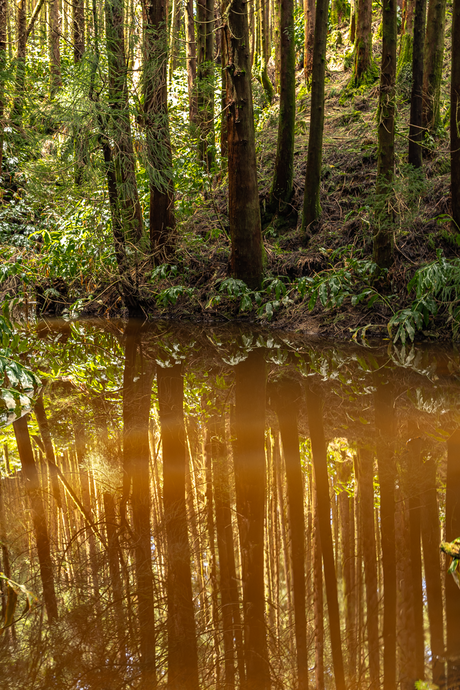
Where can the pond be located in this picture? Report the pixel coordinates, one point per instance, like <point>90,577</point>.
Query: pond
<point>219,507</point>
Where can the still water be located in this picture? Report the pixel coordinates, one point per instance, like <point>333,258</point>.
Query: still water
<point>218,508</point>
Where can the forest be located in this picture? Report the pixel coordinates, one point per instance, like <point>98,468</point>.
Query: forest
<point>287,164</point>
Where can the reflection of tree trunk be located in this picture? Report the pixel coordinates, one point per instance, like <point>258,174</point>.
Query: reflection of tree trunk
<point>249,458</point>
<point>365,474</point>
<point>182,649</point>
<point>453,532</point>
<point>113,549</point>
<point>413,491</point>
<point>29,469</point>
<point>212,564</point>
<point>431,538</point>
<point>232,633</point>
<point>319,454</point>
<point>317,591</point>
<point>137,388</point>
<point>347,524</point>
<point>384,422</point>
<point>287,400</point>
<point>43,425</point>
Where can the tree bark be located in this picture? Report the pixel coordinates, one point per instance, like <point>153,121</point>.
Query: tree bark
<point>78,8</point>
<point>363,42</point>
<point>55,52</point>
<point>432,72</point>
<point>407,35</point>
<point>311,200</point>
<point>309,8</point>
<point>3,63</point>
<point>383,233</point>
<point>156,122</point>
<point>455,118</point>
<point>182,648</point>
<point>281,191</point>
<point>243,194</point>
<point>205,82</point>
<point>190,52</point>
<point>416,102</point>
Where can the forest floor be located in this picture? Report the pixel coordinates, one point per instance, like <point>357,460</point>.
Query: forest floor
<point>323,285</point>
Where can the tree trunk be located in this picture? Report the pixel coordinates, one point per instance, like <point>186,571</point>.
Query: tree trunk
<point>20,75</point>
<point>281,191</point>
<point>182,647</point>
<point>249,459</point>
<point>407,36</point>
<point>317,590</point>
<point>434,52</point>
<point>32,481</point>
<point>78,30</point>
<point>455,118</point>
<point>383,233</point>
<point>156,121</point>
<point>3,63</point>
<point>113,549</point>
<point>287,397</point>
<point>243,194</point>
<point>205,81</point>
<point>309,9</point>
<point>123,153</point>
<point>416,102</point>
<point>55,52</point>
<point>190,53</point>
<point>363,42</point>
<point>319,454</point>
<point>311,200</point>
<point>137,388</point>
<point>43,425</point>
<point>384,422</point>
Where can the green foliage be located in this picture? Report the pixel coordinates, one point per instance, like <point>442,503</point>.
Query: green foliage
<point>169,296</point>
<point>14,590</point>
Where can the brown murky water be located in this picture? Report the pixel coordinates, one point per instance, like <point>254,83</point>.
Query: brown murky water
<point>218,508</point>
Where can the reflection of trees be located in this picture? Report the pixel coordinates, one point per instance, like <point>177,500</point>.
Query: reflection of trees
<point>152,515</point>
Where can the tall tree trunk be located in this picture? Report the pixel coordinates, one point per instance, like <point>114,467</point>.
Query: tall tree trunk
<point>416,102</point>
<point>137,389</point>
<point>319,453</point>
<point>3,63</point>
<point>455,118</point>
<point>434,52</point>
<point>249,459</point>
<point>453,532</point>
<point>407,36</point>
<point>190,56</point>
<point>384,422</point>
<point>78,8</point>
<point>182,648</point>
<point>243,194</point>
<point>311,200</point>
<point>365,475</point>
<point>383,234</point>
<point>363,42</point>
<point>205,81</point>
<point>287,397</point>
<point>317,589</point>
<point>55,52</point>
<point>281,191</point>
<point>123,153</point>
<point>32,481</point>
<point>20,60</point>
<point>309,9</point>
<point>156,121</point>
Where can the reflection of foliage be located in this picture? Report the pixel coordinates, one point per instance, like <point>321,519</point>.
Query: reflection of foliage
<point>18,383</point>
<point>452,549</point>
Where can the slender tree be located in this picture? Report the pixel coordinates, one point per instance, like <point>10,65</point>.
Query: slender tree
<point>383,233</point>
<point>205,81</point>
<point>407,35</point>
<point>281,191</point>
<point>434,52</point>
<point>156,122</point>
<point>309,10</point>
<point>190,57</point>
<point>243,195</point>
<point>363,63</point>
<point>311,201</point>
<point>416,103</point>
<point>55,51</point>
<point>3,63</point>
<point>455,118</point>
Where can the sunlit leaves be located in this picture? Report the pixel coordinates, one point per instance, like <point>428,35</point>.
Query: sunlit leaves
<point>14,590</point>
